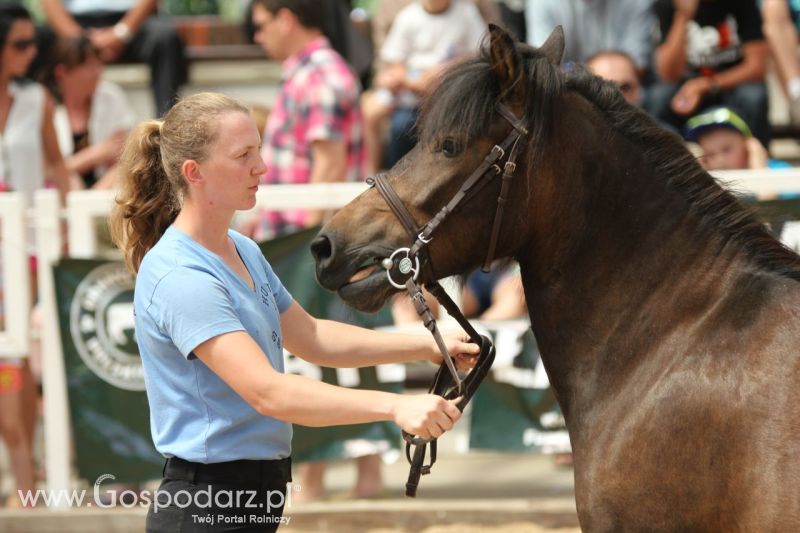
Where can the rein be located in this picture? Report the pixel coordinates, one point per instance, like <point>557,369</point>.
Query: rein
<point>404,265</point>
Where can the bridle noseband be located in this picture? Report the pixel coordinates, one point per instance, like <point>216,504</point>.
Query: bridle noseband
<point>405,265</point>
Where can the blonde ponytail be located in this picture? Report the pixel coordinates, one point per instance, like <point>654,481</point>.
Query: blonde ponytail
<point>147,203</point>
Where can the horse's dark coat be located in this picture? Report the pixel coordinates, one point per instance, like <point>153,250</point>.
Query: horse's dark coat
<point>666,314</point>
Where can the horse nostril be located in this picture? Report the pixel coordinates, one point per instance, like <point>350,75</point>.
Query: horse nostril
<point>321,248</point>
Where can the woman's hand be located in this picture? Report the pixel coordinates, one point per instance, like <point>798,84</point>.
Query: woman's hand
<point>462,350</point>
<point>427,416</point>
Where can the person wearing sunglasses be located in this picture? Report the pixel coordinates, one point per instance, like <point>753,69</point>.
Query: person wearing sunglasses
<point>28,146</point>
<point>26,112</point>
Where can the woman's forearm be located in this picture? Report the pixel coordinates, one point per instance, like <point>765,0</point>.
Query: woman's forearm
<point>345,346</point>
<point>300,400</point>
<point>103,153</point>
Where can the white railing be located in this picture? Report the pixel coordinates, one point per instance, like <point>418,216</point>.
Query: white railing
<point>15,333</point>
<point>84,207</point>
<point>763,184</point>
<point>57,438</point>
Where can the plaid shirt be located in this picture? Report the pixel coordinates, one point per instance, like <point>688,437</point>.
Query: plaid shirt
<point>318,100</point>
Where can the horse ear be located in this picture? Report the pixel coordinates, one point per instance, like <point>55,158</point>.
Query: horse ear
<point>553,47</point>
<point>505,59</point>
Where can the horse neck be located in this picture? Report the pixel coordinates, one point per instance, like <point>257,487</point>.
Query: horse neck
<point>622,263</point>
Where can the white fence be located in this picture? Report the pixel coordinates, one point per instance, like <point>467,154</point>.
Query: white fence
<point>84,207</point>
<point>14,337</point>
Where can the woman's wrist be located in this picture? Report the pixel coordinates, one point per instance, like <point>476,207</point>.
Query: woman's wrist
<point>431,350</point>
<point>390,408</point>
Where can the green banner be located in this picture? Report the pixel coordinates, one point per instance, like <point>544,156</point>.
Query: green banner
<point>514,408</point>
<point>105,380</point>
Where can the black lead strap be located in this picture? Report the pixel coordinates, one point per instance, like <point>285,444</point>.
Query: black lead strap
<point>408,264</point>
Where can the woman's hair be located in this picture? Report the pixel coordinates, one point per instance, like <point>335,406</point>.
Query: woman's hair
<point>9,14</point>
<point>70,52</point>
<point>153,185</point>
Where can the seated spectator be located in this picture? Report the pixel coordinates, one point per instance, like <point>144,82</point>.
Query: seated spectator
<point>93,117</point>
<point>123,30</point>
<point>424,38</point>
<point>781,23</point>
<point>386,11</point>
<point>710,53</point>
<point>619,67</point>
<point>727,143</point>
<point>594,26</point>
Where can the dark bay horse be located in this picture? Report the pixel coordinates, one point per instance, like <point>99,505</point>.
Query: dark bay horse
<point>667,317</point>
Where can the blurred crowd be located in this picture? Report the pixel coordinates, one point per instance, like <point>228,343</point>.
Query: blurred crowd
<point>352,81</point>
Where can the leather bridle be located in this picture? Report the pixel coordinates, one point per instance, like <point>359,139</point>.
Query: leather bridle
<point>404,266</point>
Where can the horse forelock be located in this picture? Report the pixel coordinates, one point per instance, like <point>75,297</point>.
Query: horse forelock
<point>472,90</point>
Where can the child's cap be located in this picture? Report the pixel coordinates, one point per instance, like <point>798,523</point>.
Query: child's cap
<point>715,118</point>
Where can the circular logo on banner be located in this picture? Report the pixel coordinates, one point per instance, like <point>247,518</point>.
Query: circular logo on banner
<point>102,326</point>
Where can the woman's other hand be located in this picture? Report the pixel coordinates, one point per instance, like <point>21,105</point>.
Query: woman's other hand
<point>427,416</point>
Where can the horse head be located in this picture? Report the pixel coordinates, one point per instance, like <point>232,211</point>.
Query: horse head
<point>460,124</point>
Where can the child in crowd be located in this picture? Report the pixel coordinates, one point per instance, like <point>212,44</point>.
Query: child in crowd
<point>727,142</point>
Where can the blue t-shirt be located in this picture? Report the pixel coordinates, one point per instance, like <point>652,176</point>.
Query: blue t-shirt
<point>184,296</point>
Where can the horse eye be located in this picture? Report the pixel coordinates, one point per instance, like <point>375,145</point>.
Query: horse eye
<point>451,147</point>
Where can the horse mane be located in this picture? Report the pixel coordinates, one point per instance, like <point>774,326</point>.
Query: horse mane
<point>716,207</point>
<point>465,99</point>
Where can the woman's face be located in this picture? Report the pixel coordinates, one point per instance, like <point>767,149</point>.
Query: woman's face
<point>81,80</point>
<point>19,48</point>
<point>233,168</point>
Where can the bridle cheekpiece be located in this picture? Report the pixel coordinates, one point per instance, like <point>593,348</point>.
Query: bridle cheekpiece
<point>404,267</point>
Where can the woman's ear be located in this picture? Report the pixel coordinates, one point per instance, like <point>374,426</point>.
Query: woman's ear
<point>191,171</point>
